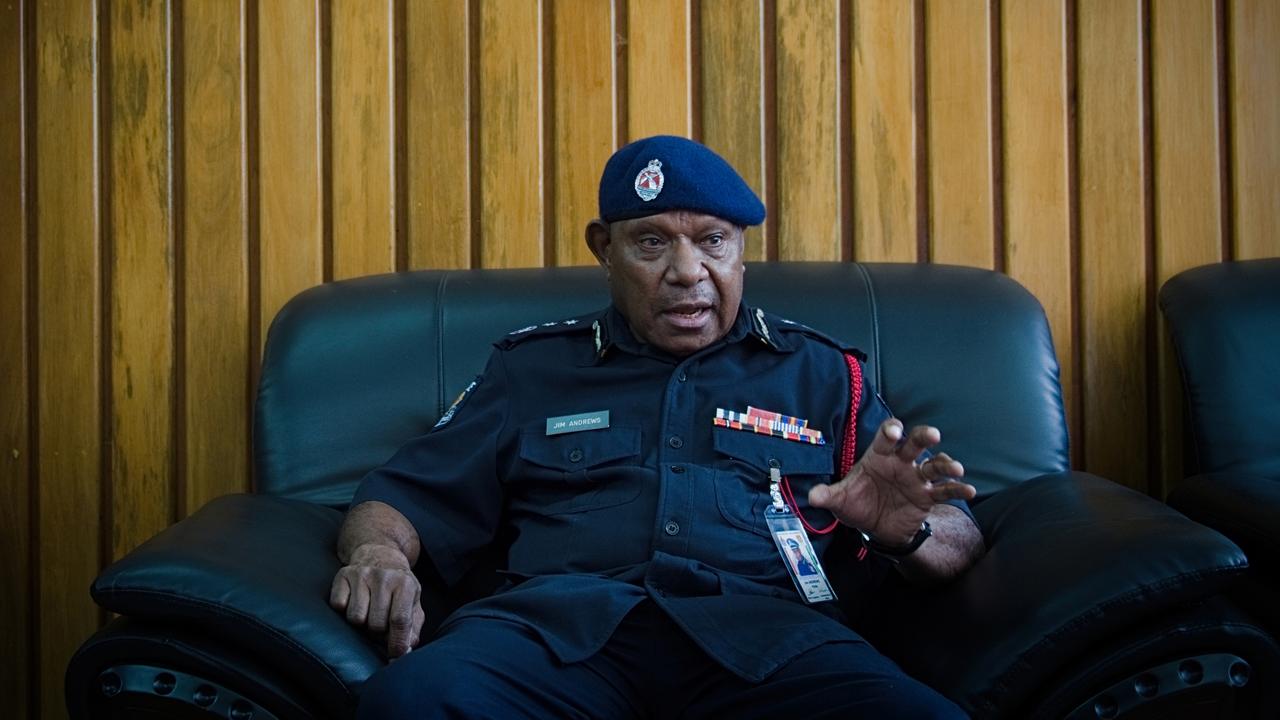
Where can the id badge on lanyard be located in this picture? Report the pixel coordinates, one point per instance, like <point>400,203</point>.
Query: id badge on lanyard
<point>793,545</point>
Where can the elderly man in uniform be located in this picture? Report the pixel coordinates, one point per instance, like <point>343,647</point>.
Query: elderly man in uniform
<point>653,465</point>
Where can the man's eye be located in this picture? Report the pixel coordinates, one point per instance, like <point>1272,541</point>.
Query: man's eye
<point>713,240</point>
<point>650,242</point>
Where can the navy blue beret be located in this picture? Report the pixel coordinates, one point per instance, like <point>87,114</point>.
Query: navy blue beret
<point>665,172</point>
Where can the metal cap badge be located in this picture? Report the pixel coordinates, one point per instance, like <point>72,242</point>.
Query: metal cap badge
<point>649,181</point>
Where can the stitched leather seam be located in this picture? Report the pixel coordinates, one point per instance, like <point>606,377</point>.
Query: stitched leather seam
<point>875,320</point>
<point>440,389</point>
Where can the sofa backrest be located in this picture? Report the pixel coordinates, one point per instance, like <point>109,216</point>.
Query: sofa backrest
<point>352,369</point>
<point>1224,320</point>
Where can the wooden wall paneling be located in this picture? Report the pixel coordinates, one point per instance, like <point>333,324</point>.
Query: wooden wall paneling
<point>215,256</point>
<point>584,119</point>
<point>290,152</point>
<point>1188,208</point>
<point>659,66</point>
<point>364,208</point>
<point>1113,299</point>
<point>68,299</point>
<point>958,67</point>
<point>438,134</point>
<point>15,446</point>
<point>808,120</point>
<point>142,277</point>
<point>510,128</point>
<point>1255,126</point>
<point>884,152</point>
<point>733,101</point>
<point>1037,206</point>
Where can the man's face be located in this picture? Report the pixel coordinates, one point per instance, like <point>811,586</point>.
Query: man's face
<point>676,276</point>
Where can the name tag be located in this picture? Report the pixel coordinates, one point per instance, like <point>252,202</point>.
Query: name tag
<point>597,420</point>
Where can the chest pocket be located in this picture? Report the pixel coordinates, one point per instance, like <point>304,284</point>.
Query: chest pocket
<point>742,478</point>
<point>576,472</point>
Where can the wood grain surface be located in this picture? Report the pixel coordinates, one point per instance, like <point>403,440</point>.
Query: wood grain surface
<point>808,77</point>
<point>958,40</point>
<point>1113,275</point>
<point>69,340</point>
<point>215,270</point>
<point>884,131</point>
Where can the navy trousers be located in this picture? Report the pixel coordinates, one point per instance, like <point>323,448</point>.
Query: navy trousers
<point>489,668</point>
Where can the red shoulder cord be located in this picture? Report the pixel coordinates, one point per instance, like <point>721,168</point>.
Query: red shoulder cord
<point>847,450</point>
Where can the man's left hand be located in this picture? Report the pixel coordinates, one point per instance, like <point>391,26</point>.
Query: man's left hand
<point>888,493</point>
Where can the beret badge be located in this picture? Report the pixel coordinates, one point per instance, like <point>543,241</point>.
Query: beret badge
<point>649,181</point>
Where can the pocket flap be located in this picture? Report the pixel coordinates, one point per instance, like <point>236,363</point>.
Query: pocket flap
<point>764,451</point>
<point>580,450</point>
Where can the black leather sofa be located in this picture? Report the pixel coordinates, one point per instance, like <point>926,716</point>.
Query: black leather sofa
<point>1093,600</point>
<point>1224,320</point>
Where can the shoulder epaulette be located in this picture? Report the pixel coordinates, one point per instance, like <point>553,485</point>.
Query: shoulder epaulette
<point>547,329</point>
<point>784,327</point>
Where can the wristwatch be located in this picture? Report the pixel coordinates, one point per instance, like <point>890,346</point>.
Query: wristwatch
<point>899,550</point>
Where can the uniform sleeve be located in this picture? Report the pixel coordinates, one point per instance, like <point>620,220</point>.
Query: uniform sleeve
<point>446,482</point>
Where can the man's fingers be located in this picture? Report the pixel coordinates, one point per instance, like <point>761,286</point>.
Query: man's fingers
<point>921,438</point>
<point>825,496</point>
<point>339,592</point>
<point>941,467</point>
<point>952,490</point>
<point>380,595</point>
<point>358,602</point>
<point>887,437</point>
<point>402,614</point>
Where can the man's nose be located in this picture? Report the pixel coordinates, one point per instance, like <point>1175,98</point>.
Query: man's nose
<point>686,266</point>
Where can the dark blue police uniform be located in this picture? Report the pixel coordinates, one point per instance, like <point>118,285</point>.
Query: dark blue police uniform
<point>647,536</point>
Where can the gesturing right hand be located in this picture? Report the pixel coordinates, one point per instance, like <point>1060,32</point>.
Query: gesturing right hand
<point>378,590</point>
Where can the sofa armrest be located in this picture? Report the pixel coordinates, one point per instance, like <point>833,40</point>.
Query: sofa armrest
<point>1072,560</point>
<point>256,571</point>
<point>1241,506</point>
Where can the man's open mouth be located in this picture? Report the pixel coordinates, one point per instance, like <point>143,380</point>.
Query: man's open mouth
<point>688,316</point>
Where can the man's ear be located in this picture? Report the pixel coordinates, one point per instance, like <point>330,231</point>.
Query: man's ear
<point>598,240</point>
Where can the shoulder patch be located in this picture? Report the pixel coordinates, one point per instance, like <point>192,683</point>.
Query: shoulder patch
<point>546,329</point>
<point>457,403</point>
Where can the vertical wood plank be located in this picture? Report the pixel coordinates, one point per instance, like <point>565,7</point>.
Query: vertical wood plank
<point>585,119</point>
<point>438,136</point>
<point>364,229</point>
<point>884,153</point>
<point>68,296</point>
<point>215,252</point>
<point>1112,243</point>
<point>958,38</point>
<point>1188,211</point>
<point>733,95</point>
<point>659,88</point>
<point>142,307</point>
<point>511,171</point>
<point>15,463</point>
<point>290,175</point>
<point>1037,206</point>
<point>1255,131</point>
<point>808,72</point>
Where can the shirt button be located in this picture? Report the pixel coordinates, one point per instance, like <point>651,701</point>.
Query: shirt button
<point>672,528</point>
<point>675,441</point>
<point>682,377</point>
<point>677,468</point>
<point>575,455</point>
